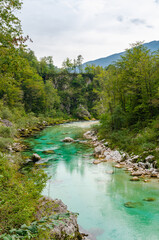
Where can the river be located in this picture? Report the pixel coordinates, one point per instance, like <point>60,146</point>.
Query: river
<point>92,191</point>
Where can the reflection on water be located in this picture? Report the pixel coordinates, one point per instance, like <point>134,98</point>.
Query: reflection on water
<point>98,192</point>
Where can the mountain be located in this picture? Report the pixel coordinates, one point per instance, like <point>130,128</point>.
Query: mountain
<point>104,62</point>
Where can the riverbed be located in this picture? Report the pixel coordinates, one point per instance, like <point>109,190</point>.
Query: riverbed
<point>92,190</point>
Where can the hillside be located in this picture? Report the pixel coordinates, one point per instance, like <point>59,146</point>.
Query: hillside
<point>104,62</point>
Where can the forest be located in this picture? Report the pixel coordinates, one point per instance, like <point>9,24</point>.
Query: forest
<point>124,96</point>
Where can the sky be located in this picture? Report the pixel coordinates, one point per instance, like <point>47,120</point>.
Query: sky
<point>92,28</point>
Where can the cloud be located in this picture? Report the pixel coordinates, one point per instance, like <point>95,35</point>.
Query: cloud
<point>120,19</point>
<point>93,28</point>
<point>137,21</point>
<point>149,26</point>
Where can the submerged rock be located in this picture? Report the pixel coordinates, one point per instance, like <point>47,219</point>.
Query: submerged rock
<point>68,139</point>
<point>110,172</point>
<point>137,173</point>
<point>135,179</point>
<point>48,152</point>
<point>150,199</point>
<point>132,204</point>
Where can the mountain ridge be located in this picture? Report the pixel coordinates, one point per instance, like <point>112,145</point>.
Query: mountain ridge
<point>106,61</point>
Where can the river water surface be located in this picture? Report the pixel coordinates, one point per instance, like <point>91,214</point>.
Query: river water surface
<point>92,191</point>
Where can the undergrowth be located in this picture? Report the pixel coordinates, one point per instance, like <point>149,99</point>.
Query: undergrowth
<point>134,140</point>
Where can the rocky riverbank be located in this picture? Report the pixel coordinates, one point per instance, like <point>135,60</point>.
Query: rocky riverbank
<point>64,222</point>
<point>139,170</point>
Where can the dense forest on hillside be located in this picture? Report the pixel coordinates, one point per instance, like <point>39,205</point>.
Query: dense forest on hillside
<point>124,95</point>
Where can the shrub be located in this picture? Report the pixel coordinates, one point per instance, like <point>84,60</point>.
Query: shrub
<point>7,132</point>
<point>18,194</point>
<point>5,142</point>
<point>5,113</point>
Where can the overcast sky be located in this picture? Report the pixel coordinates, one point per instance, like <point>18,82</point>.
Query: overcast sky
<point>92,28</point>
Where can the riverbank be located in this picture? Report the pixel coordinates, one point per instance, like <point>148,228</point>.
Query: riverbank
<point>24,191</point>
<point>138,170</point>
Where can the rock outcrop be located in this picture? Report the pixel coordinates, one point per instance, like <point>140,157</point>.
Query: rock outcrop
<point>66,228</point>
<point>82,113</point>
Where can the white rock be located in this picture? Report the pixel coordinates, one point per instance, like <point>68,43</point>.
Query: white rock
<point>108,157</point>
<point>137,173</point>
<point>96,161</point>
<point>98,150</point>
<point>149,158</point>
<point>135,179</point>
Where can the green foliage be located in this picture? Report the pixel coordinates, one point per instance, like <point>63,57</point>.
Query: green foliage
<point>5,143</point>
<point>7,132</point>
<point>36,228</point>
<point>10,27</point>
<point>18,194</point>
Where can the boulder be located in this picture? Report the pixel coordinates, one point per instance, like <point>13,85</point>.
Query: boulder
<point>68,139</point>
<point>108,157</point>
<point>135,179</point>
<point>150,158</point>
<point>141,164</point>
<point>118,166</point>
<point>147,165</point>
<point>98,150</point>
<point>146,180</point>
<point>116,155</point>
<point>103,160</point>
<point>135,158</point>
<point>35,157</point>
<point>106,144</point>
<point>154,174</point>
<point>124,156</point>
<point>137,173</point>
<point>96,161</point>
<point>88,135</point>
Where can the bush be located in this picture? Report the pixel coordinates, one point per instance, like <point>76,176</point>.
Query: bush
<point>5,142</point>
<point>18,194</point>
<point>7,132</point>
<point>5,113</point>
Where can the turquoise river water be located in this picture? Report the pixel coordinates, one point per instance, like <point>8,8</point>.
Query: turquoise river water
<point>92,191</point>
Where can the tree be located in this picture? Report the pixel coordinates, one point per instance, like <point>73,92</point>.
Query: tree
<point>79,62</point>
<point>52,99</point>
<point>67,64</point>
<point>10,26</point>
